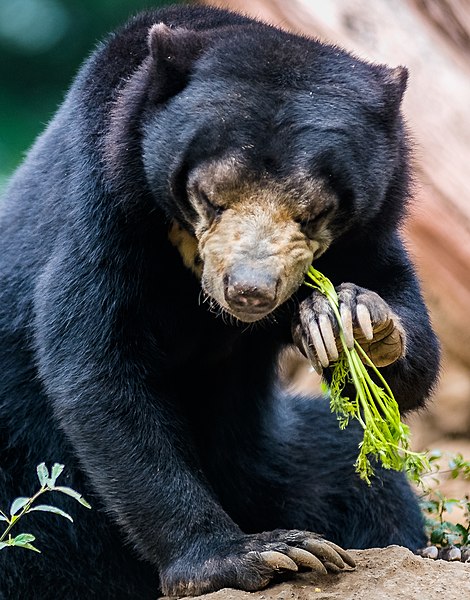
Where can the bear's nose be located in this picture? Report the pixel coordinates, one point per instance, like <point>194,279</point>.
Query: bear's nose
<point>249,290</point>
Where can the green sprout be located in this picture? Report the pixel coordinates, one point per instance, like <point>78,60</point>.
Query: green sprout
<point>22,506</point>
<point>385,438</point>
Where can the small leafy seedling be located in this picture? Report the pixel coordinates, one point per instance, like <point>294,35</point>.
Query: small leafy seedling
<point>437,507</point>
<point>385,437</point>
<point>22,506</point>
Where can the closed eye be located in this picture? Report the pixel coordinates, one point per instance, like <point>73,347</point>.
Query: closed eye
<point>315,219</point>
<point>211,209</point>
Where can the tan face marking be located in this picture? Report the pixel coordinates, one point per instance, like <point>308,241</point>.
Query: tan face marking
<point>187,245</point>
<point>251,238</point>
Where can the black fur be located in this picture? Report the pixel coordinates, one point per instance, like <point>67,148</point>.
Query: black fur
<point>168,419</point>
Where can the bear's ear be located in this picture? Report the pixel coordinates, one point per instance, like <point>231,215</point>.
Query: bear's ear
<point>394,83</point>
<point>173,53</point>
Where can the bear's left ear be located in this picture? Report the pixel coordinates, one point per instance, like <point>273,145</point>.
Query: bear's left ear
<point>394,85</point>
<point>173,52</point>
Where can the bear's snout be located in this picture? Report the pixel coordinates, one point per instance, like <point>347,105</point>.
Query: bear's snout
<point>250,291</point>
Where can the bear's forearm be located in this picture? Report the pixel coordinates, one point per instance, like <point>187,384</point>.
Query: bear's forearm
<point>143,471</point>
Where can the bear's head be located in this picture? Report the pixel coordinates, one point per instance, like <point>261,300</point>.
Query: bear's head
<point>263,148</point>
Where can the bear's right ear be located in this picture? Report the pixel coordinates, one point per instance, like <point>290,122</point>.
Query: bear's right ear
<point>173,52</point>
<point>394,83</point>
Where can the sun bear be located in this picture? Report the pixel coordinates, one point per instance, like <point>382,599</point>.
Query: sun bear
<point>153,248</point>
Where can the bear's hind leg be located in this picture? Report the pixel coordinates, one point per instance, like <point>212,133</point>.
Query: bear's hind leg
<point>301,476</point>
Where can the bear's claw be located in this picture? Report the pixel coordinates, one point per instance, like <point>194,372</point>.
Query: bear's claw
<point>365,318</point>
<point>250,563</point>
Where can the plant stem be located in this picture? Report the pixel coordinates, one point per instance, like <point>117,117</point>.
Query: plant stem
<point>15,518</point>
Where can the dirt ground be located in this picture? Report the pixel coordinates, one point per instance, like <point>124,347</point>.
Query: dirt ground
<point>391,573</point>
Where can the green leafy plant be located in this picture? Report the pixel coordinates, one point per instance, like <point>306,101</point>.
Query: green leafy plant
<point>23,506</point>
<point>437,507</point>
<point>385,439</point>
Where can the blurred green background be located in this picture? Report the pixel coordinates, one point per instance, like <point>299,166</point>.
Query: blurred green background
<point>42,44</point>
